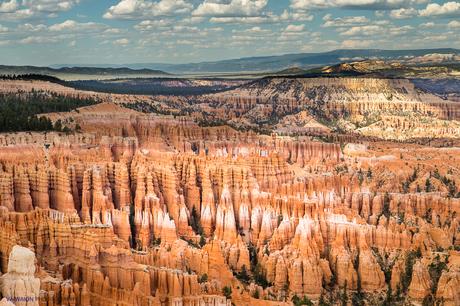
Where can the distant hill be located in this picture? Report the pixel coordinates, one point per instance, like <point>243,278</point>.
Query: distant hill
<point>81,72</point>
<point>291,71</point>
<point>301,60</point>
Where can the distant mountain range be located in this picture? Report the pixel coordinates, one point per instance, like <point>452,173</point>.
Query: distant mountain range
<point>81,72</point>
<point>280,62</point>
<point>288,64</point>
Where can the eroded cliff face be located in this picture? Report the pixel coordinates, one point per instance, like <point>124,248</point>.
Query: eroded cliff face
<point>163,211</point>
<point>386,108</point>
<point>19,285</point>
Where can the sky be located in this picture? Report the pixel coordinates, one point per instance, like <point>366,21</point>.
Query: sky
<point>78,32</point>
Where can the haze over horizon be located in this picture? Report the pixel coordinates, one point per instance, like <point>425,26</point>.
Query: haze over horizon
<point>82,32</point>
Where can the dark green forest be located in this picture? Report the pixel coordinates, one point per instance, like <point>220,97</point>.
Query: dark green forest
<point>146,86</point>
<point>19,112</point>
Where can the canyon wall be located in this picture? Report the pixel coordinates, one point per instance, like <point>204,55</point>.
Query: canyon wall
<point>387,108</point>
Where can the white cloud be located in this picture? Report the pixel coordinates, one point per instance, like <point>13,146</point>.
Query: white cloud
<point>431,38</point>
<point>293,33</point>
<point>344,21</point>
<point>454,24</point>
<point>427,25</point>
<point>24,9</point>
<point>362,30</point>
<point>50,6</point>
<point>298,15</point>
<point>38,40</point>
<point>185,42</point>
<point>447,9</point>
<point>246,38</point>
<point>245,20</point>
<point>381,28</point>
<point>138,9</point>
<point>358,4</point>
<point>253,30</point>
<point>148,25</point>
<point>8,6</point>
<point>66,25</point>
<point>18,14</point>
<point>232,8</point>
<point>403,13</point>
<point>395,31</point>
<point>355,43</point>
<point>295,28</point>
<point>112,31</point>
<point>267,18</point>
<point>121,42</point>
<point>192,20</point>
<point>329,43</point>
<point>28,27</point>
<point>73,26</point>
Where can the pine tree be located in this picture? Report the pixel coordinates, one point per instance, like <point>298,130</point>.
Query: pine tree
<point>428,185</point>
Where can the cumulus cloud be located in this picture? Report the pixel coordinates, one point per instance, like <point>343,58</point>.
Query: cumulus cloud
<point>358,4</point>
<point>29,33</point>
<point>382,29</point>
<point>299,15</point>
<point>244,20</point>
<point>148,25</point>
<point>427,25</point>
<point>355,43</point>
<point>38,40</point>
<point>454,24</point>
<point>403,13</point>
<point>73,26</point>
<point>343,22</point>
<point>234,8</point>
<point>447,9</point>
<point>293,33</point>
<point>28,27</point>
<point>267,18</point>
<point>138,9</point>
<point>253,30</point>
<point>8,6</point>
<point>121,42</point>
<point>24,9</point>
<point>362,30</point>
<point>112,31</point>
<point>295,28</point>
<point>50,6</point>
<point>18,14</point>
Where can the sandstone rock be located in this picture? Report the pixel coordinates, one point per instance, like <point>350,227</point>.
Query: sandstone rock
<point>421,282</point>
<point>19,284</point>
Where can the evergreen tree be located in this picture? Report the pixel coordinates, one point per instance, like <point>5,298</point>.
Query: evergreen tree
<point>428,185</point>
<point>227,292</point>
<point>344,296</point>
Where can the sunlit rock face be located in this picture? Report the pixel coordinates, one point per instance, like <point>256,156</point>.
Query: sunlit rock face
<point>19,285</point>
<point>150,210</point>
<point>375,107</point>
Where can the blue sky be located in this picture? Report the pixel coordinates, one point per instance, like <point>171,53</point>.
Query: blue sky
<point>46,32</point>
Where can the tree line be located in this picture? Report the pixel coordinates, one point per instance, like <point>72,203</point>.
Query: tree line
<point>19,112</point>
<point>146,87</point>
